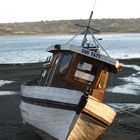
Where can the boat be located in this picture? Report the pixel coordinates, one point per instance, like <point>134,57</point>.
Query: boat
<point>66,101</point>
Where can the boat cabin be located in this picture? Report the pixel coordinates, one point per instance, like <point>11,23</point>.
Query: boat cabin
<point>77,68</point>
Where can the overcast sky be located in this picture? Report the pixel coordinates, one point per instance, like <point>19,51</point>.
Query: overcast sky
<point>37,10</point>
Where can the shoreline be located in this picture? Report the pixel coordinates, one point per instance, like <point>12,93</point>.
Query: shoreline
<point>59,34</point>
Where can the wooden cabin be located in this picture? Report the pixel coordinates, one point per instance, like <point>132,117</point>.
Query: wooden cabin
<point>71,70</point>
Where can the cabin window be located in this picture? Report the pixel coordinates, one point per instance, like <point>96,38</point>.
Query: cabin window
<point>85,72</point>
<point>65,64</point>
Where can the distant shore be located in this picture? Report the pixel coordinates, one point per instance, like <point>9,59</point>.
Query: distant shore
<point>61,27</point>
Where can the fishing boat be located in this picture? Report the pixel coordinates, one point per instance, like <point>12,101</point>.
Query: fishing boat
<point>66,101</point>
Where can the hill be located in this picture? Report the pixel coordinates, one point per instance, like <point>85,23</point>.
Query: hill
<point>69,27</point>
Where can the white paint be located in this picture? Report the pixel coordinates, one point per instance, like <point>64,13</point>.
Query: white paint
<point>52,93</point>
<point>55,122</point>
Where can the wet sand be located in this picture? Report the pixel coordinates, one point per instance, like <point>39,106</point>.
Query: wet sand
<point>12,127</point>
<point>11,124</point>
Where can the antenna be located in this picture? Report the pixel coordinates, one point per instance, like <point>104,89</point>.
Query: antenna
<point>94,5</point>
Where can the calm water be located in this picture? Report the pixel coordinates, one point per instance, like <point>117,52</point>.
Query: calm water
<point>24,49</point>
<point>28,49</point>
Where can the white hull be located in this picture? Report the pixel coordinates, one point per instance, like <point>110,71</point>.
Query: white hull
<point>54,112</point>
<point>54,121</point>
<point>51,93</point>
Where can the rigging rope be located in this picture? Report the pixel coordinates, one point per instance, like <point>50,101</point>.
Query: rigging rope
<point>75,36</point>
<point>98,43</point>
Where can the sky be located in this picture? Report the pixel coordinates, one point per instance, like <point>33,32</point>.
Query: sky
<point>37,10</point>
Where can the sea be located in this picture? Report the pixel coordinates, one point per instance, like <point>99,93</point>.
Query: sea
<point>32,48</point>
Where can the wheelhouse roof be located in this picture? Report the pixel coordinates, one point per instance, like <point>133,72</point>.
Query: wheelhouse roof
<point>112,63</point>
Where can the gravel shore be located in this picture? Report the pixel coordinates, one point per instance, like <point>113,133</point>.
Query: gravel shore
<point>12,127</point>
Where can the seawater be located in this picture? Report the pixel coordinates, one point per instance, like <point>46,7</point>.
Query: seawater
<point>29,49</point>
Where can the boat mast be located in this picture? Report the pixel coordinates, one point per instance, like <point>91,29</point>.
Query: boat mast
<point>88,25</point>
<point>87,29</point>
